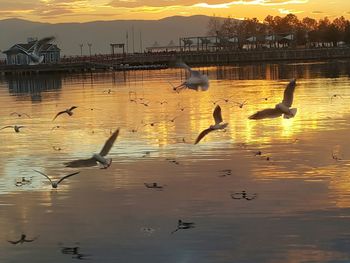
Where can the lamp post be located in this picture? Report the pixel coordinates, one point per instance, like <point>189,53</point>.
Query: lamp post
<point>81,49</point>
<point>90,45</point>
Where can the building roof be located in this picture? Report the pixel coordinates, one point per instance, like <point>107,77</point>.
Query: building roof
<point>30,46</point>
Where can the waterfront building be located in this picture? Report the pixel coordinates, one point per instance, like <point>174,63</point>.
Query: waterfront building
<point>15,55</point>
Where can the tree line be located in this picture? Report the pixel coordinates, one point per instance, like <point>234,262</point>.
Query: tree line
<point>306,31</point>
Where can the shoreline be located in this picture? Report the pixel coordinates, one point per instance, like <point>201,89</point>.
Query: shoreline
<point>156,61</point>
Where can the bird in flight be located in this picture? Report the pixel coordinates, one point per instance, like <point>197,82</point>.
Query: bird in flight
<point>35,56</point>
<point>241,104</point>
<point>68,111</point>
<point>217,126</point>
<point>97,158</point>
<point>19,114</point>
<point>183,225</point>
<point>196,80</point>
<point>21,240</point>
<point>55,184</point>
<point>15,127</point>
<point>280,109</point>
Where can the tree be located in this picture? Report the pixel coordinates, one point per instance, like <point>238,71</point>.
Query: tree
<point>214,26</point>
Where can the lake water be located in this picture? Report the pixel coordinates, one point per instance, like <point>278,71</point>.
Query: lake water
<point>299,185</point>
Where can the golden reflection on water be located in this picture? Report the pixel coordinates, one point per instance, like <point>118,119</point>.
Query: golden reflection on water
<point>99,112</point>
<point>299,177</point>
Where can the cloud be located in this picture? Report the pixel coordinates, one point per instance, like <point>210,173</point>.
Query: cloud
<point>286,11</point>
<point>194,3</point>
<point>52,12</point>
<point>317,12</point>
<point>18,5</point>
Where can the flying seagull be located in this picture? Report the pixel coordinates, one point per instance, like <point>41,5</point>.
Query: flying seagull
<point>21,240</point>
<point>280,109</point>
<point>68,111</point>
<point>19,114</point>
<point>97,158</point>
<point>183,225</point>
<point>55,184</point>
<point>196,80</point>
<point>217,126</point>
<point>34,56</point>
<point>15,127</point>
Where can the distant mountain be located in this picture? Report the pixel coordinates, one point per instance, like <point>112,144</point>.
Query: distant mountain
<point>101,33</point>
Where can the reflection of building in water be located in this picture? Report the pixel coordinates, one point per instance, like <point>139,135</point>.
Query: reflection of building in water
<point>33,85</point>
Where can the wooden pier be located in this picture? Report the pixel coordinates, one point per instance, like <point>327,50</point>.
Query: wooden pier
<point>163,60</point>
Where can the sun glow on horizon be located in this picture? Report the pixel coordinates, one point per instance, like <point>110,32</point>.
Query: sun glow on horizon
<point>54,11</point>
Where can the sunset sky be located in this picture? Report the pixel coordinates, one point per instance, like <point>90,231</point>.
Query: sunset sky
<point>90,10</point>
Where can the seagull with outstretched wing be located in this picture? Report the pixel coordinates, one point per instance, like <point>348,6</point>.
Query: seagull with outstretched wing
<point>98,158</point>
<point>68,111</point>
<point>53,183</point>
<point>34,56</point>
<point>19,114</point>
<point>283,108</point>
<point>196,80</point>
<point>21,240</point>
<point>217,126</point>
<point>15,127</point>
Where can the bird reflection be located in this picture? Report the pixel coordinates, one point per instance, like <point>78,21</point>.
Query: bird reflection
<point>243,195</point>
<point>183,225</point>
<point>97,158</point>
<point>172,160</point>
<point>225,172</point>
<point>280,109</point>
<point>23,181</point>
<point>154,186</point>
<point>336,156</point>
<point>22,240</point>
<point>75,252</point>
<point>57,148</point>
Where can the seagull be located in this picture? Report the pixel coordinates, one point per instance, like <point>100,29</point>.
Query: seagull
<point>21,240</point>
<point>34,56</point>
<point>68,111</point>
<point>19,114</point>
<point>173,119</point>
<point>217,126</point>
<point>221,99</point>
<point>196,80</point>
<point>183,225</point>
<point>336,96</point>
<point>15,127</point>
<point>55,184</point>
<point>280,109</point>
<point>162,102</point>
<point>241,104</point>
<point>98,158</point>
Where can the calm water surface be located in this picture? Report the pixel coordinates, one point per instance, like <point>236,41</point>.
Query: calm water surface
<point>301,212</point>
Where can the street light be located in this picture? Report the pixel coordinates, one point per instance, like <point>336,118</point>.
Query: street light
<point>90,44</point>
<point>81,49</point>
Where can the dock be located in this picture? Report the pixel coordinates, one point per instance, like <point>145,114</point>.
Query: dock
<point>163,60</point>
